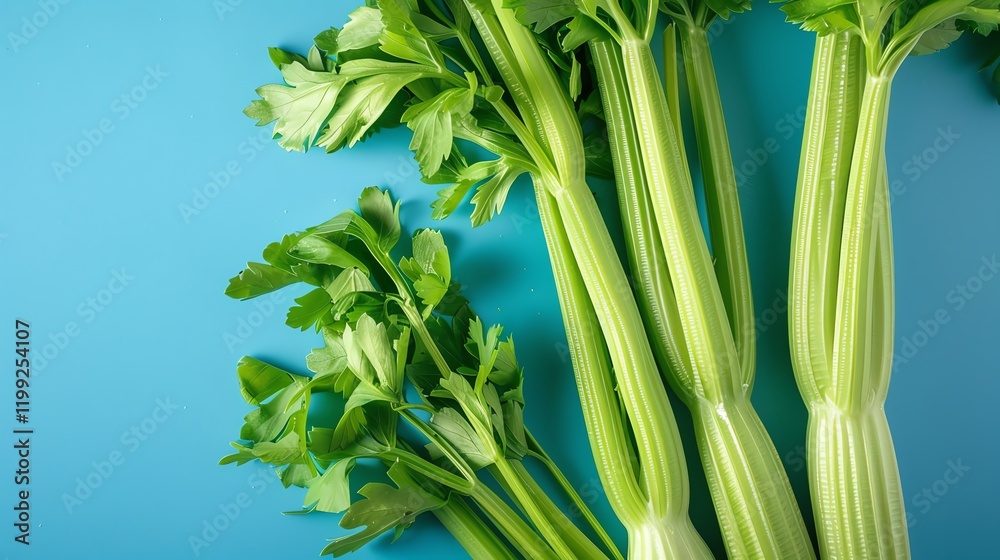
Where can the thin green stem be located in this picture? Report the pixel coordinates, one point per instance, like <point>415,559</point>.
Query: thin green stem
<point>443,445</point>
<point>581,545</point>
<point>471,531</point>
<point>420,329</point>
<point>535,450</point>
<point>519,533</point>
<point>534,508</point>
<point>430,470</point>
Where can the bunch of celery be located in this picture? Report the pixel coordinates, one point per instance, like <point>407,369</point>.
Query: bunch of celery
<point>502,75</point>
<point>697,304</point>
<point>841,278</point>
<point>420,63</point>
<point>523,79</point>
<point>401,346</point>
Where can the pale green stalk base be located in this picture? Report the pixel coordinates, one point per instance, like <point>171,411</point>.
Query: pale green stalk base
<point>757,510</point>
<point>856,492</point>
<point>674,539</point>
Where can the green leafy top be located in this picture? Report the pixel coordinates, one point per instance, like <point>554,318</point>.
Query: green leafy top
<point>893,29</point>
<point>413,62</point>
<point>398,339</point>
<point>585,20</point>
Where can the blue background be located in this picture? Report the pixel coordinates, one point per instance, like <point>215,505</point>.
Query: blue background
<point>63,235</point>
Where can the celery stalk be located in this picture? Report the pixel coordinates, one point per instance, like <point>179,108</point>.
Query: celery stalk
<point>552,129</point>
<point>841,321</point>
<point>686,314</point>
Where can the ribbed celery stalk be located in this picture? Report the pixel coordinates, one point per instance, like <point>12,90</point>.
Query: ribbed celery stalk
<point>841,306</point>
<point>725,222</point>
<point>644,248</point>
<point>767,485</point>
<point>685,309</point>
<point>649,536</point>
<point>551,133</point>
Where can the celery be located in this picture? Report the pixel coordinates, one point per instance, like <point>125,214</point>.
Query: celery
<point>841,276</point>
<point>697,306</point>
